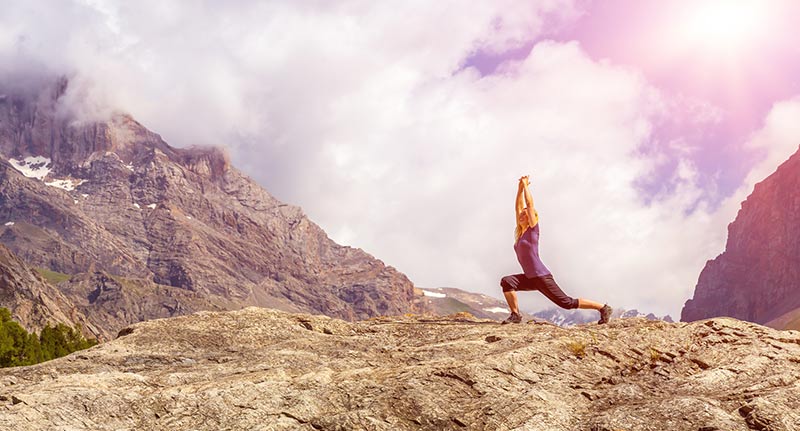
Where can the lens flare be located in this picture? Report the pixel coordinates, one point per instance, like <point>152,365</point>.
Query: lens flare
<point>724,26</point>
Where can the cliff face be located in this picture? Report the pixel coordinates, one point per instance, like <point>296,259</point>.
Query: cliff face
<point>270,370</point>
<point>33,301</point>
<point>757,277</point>
<point>145,230</point>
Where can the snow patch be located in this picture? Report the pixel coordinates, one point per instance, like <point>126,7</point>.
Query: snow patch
<point>84,195</point>
<point>76,201</point>
<point>135,205</point>
<point>68,184</point>
<point>496,310</point>
<point>32,167</point>
<point>433,294</point>
<point>188,217</point>
<point>152,206</point>
<point>130,167</point>
<point>11,223</point>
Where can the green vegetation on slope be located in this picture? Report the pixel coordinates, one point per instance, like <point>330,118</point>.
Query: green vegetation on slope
<point>53,277</point>
<point>18,347</point>
<point>450,305</point>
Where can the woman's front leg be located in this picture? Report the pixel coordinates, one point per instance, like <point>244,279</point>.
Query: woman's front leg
<point>511,299</point>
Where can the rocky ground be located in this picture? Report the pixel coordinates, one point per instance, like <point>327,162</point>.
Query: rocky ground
<point>271,370</point>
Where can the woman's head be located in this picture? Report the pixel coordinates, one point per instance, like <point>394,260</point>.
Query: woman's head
<point>522,220</point>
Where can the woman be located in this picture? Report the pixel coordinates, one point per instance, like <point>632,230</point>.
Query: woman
<point>535,275</point>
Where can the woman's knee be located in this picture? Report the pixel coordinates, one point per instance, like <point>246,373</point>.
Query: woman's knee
<point>567,302</point>
<point>508,283</point>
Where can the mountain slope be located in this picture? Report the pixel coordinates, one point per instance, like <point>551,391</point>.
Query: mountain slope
<point>263,369</point>
<point>757,277</point>
<point>790,320</point>
<point>33,302</point>
<point>113,198</point>
<point>448,300</point>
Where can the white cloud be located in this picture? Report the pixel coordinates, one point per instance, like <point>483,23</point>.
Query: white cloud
<point>360,112</point>
<point>776,140</point>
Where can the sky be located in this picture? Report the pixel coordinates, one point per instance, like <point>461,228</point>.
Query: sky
<point>402,127</point>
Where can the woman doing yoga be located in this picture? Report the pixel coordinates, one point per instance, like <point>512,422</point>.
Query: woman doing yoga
<point>535,275</point>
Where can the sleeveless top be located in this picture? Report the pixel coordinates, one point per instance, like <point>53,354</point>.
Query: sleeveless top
<point>527,249</point>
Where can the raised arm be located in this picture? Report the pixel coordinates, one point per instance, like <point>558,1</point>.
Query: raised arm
<point>520,203</point>
<point>533,216</point>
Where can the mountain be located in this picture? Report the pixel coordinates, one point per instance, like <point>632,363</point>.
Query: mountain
<point>449,300</point>
<point>562,317</point>
<point>270,370</point>
<point>139,229</point>
<point>757,277</point>
<point>790,320</point>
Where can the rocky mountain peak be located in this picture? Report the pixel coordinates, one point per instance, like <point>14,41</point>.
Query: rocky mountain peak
<point>210,162</point>
<point>175,230</point>
<point>757,277</point>
<point>35,129</point>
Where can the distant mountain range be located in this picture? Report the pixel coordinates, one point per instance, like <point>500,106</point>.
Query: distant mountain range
<point>562,317</point>
<point>449,300</point>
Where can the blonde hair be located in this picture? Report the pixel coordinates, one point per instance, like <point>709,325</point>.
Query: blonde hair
<point>518,231</point>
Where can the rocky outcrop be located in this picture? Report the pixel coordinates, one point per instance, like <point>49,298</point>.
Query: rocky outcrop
<point>113,198</point>
<point>33,302</point>
<point>265,369</point>
<point>757,277</point>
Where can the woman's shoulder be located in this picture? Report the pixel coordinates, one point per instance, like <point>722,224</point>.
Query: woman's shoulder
<point>530,230</point>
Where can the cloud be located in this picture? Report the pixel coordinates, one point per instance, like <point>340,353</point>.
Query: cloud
<point>778,139</point>
<point>364,114</point>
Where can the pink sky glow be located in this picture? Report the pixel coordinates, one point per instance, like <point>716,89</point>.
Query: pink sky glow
<point>723,62</point>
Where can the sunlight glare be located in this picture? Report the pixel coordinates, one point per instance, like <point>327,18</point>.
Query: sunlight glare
<point>724,26</point>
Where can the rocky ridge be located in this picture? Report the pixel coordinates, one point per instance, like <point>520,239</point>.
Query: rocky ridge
<point>142,230</point>
<point>269,370</point>
<point>757,277</point>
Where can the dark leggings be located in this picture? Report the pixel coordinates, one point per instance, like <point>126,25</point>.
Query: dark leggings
<point>544,284</point>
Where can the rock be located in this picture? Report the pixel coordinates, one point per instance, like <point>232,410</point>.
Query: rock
<point>262,369</point>
<point>757,275</point>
